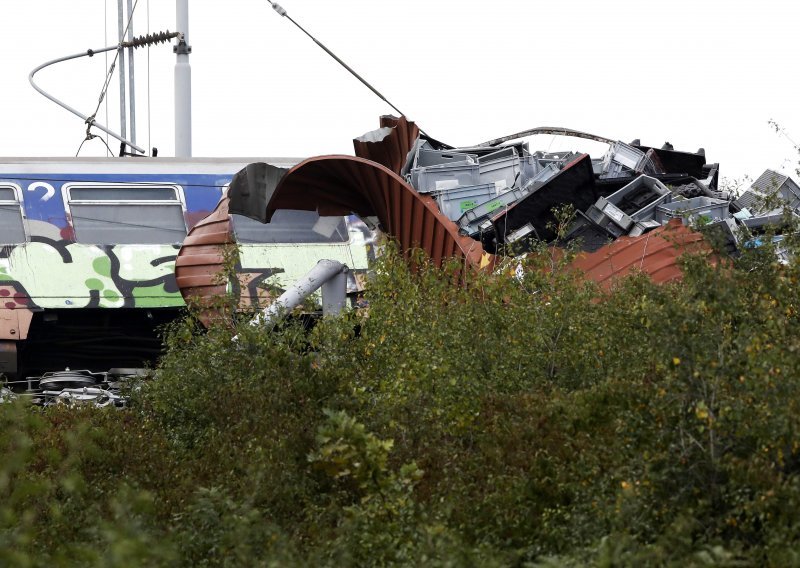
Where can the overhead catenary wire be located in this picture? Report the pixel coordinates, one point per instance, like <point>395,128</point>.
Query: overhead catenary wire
<point>110,72</point>
<point>91,121</point>
<point>89,135</point>
<point>161,37</point>
<point>280,10</point>
<point>87,119</point>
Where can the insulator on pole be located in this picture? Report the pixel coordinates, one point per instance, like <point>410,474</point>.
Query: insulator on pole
<point>151,39</point>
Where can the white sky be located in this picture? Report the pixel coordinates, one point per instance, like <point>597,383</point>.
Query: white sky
<point>693,72</point>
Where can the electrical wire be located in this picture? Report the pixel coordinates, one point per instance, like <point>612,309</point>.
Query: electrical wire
<point>110,72</point>
<point>90,136</point>
<point>280,10</point>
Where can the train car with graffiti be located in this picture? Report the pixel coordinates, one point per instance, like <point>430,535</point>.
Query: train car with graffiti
<point>88,249</point>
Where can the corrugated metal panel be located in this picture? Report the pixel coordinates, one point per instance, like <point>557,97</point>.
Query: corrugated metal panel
<point>200,260</point>
<point>391,150</point>
<point>339,185</point>
<point>768,182</point>
<point>654,254</point>
<point>750,200</point>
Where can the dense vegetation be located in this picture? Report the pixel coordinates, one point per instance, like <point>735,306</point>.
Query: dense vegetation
<point>499,421</point>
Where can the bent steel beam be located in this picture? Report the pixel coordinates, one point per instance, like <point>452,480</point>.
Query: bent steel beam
<point>555,130</point>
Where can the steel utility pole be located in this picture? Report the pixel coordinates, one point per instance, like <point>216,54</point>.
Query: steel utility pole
<point>183,83</point>
<point>131,79</point>
<point>123,112</point>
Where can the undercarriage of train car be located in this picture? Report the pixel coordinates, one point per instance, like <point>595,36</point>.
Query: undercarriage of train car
<point>79,356</point>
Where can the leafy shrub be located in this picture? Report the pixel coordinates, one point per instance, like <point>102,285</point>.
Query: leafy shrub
<point>462,419</point>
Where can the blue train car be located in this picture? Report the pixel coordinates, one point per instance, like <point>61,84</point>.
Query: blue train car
<point>88,248</point>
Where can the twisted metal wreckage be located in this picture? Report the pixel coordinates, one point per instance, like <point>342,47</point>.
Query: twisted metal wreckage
<point>633,204</point>
<point>477,205</point>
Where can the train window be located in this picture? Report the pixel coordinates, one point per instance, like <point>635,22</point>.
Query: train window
<point>291,226</point>
<point>127,214</point>
<point>12,228</point>
<point>124,194</point>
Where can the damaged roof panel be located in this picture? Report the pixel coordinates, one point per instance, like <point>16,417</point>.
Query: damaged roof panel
<point>338,185</point>
<point>655,254</point>
<point>391,145</point>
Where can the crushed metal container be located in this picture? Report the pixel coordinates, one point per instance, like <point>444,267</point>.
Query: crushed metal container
<point>429,157</point>
<point>706,208</point>
<point>589,234</point>
<point>640,197</point>
<point>542,177</point>
<point>636,201</point>
<point>441,178</point>
<point>610,217</point>
<point>502,171</point>
<point>502,153</point>
<point>573,185</point>
<point>557,158</point>
<point>471,222</point>
<point>455,202</point>
<point>621,159</point>
<point>642,227</point>
<point>529,168</point>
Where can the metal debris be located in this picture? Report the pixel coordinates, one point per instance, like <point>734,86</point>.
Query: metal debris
<point>503,195</point>
<point>498,198</point>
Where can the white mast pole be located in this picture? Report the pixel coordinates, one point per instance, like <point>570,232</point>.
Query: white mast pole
<point>183,83</point>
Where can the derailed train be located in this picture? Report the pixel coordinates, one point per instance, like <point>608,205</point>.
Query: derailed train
<point>88,250</point>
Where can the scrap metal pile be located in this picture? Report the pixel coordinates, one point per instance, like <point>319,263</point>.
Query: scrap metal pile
<point>504,195</point>
<point>473,204</point>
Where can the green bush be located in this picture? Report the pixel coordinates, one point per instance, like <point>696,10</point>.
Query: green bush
<point>461,419</point>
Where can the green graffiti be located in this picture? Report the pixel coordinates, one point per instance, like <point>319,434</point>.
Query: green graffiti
<point>154,297</point>
<point>94,284</point>
<point>102,265</point>
<point>111,295</point>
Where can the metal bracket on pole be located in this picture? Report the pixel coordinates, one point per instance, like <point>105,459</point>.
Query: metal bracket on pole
<point>182,48</point>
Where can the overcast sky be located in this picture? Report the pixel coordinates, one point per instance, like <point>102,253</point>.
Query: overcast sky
<point>692,72</point>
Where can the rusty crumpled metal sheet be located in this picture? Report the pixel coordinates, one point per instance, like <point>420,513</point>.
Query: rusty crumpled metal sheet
<point>390,144</point>
<point>340,185</point>
<point>201,257</point>
<point>369,185</point>
<point>655,254</point>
